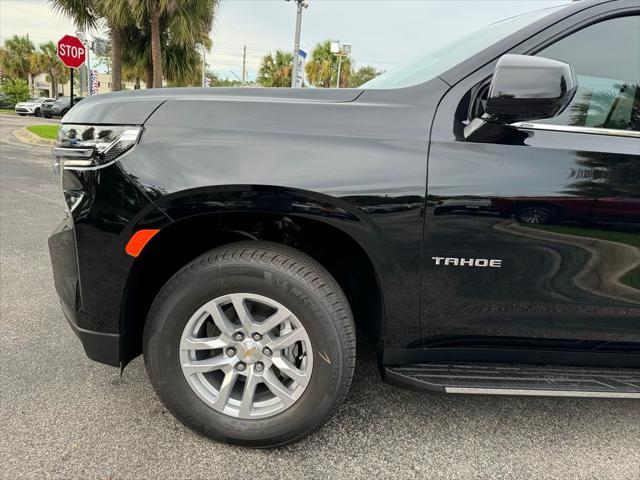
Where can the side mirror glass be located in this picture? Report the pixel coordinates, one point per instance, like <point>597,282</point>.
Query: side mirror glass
<point>523,88</point>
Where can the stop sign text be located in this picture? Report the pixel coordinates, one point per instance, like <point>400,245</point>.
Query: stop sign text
<point>71,51</point>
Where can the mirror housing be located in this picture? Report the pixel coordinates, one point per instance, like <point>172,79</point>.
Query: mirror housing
<point>524,88</point>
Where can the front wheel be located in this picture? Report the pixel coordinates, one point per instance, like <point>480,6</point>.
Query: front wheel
<point>37,113</point>
<point>252,343</point>
<point>535,215</point>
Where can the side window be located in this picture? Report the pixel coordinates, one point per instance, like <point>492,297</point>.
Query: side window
<point>606,59</point>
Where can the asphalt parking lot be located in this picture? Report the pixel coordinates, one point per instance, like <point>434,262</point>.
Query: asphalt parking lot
<point>64,416</point>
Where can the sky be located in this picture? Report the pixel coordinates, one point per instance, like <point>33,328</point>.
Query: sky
<point>383,33</point>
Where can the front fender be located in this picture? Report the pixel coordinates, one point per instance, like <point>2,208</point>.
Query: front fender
<point>380,229</point>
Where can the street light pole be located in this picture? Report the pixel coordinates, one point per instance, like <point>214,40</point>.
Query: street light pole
<point>296,45</point>
<point>244,65</point>
<point>340,50</point>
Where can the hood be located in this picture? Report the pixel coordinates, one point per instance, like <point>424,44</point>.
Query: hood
<point>134,107</point>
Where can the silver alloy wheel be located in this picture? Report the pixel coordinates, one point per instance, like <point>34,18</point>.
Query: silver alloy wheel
<point>534,215</point>
<point>246,355</point>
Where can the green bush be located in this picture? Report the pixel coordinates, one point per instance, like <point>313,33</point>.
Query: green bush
<point>16,89</point>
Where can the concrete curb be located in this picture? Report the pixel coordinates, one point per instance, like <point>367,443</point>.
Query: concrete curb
<point>26,136</point>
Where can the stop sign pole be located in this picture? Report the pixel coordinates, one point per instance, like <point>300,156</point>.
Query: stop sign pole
<point>72,53</point>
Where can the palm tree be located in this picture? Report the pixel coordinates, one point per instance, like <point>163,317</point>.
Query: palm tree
<point>46,60</point>
<point>136,57</point>
<point>276,71</point>
<point>363,75</point>
<point>322,68</point>
<point>181,62</point>
<point>183,24</point>
<point>16,58</point>
<point>88,13</point>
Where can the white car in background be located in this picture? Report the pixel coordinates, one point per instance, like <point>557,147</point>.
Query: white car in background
<point>32,106</point>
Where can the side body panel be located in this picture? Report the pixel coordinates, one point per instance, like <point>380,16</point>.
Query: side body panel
<point>553,291</point>
<point>359,166</point>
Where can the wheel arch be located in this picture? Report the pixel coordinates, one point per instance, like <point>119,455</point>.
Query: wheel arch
<point>205,219</point>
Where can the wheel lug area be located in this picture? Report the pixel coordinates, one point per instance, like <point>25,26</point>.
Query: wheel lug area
<point>256,336</point>
<point>259,366</point>
<point>241,366</point>
<point>238,336</point>
<point>231,351</point>
<point>267,351</point>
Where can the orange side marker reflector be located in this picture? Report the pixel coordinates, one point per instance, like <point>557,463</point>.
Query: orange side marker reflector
<point>138,241</point>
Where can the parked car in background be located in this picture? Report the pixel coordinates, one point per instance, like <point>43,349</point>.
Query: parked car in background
<point>554,209</point>
<point>59,107</point>
<point>5,101</point>
<point>32,106</point>
<point>463,204</point>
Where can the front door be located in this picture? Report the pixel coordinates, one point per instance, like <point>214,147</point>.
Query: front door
<point>536,238</point>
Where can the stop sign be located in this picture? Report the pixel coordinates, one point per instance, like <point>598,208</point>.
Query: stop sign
<point>71,51</point>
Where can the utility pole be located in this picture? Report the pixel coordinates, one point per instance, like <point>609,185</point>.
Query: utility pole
<point>296,45</point>
<point>204,66</point>
<point>81,34</point>
<point>244,65</point>
<point>30,80</point>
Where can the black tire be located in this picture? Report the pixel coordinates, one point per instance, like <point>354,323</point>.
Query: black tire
<point>534,215</point>
<point>37,113</point>
<point>47,116</point>
<point>275,271</point>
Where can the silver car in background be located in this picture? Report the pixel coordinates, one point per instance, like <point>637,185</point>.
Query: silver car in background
<point>32,106</point>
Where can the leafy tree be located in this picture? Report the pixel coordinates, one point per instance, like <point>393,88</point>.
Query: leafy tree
<point>88,14</point>
<point>276,70</point>
<point>363,75</point>
<point>182,65</point>
<point>46,60</point>
<point>16,89</point>
<point>216,81</point>
<point>180,24</point>
<point>16,57</point>
<point>322,67</point>
<point>181,62</point>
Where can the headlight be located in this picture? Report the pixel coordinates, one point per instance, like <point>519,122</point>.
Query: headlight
<point>82,146</point>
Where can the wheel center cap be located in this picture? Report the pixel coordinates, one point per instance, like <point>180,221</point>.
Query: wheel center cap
<point>249,351</point>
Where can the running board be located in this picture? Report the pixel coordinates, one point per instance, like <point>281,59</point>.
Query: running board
<point>501,379</point>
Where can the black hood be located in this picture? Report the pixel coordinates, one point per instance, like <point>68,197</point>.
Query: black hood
<point>134,107</point>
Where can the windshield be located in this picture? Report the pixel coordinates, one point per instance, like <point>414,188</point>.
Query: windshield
<point>439,60</point>
<point>63,100</point>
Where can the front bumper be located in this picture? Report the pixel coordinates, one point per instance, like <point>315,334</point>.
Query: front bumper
<point>24,110</point>
<point>90,265</point>
<point>99,346</point>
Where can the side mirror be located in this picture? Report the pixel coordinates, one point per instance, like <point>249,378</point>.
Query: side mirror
<point>523,88</point>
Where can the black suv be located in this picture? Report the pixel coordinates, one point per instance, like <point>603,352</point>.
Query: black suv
<point>238,237</point>
<point>59,107</point>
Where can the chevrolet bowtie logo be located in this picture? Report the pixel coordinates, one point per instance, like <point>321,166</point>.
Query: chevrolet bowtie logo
<point>249,352</point>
